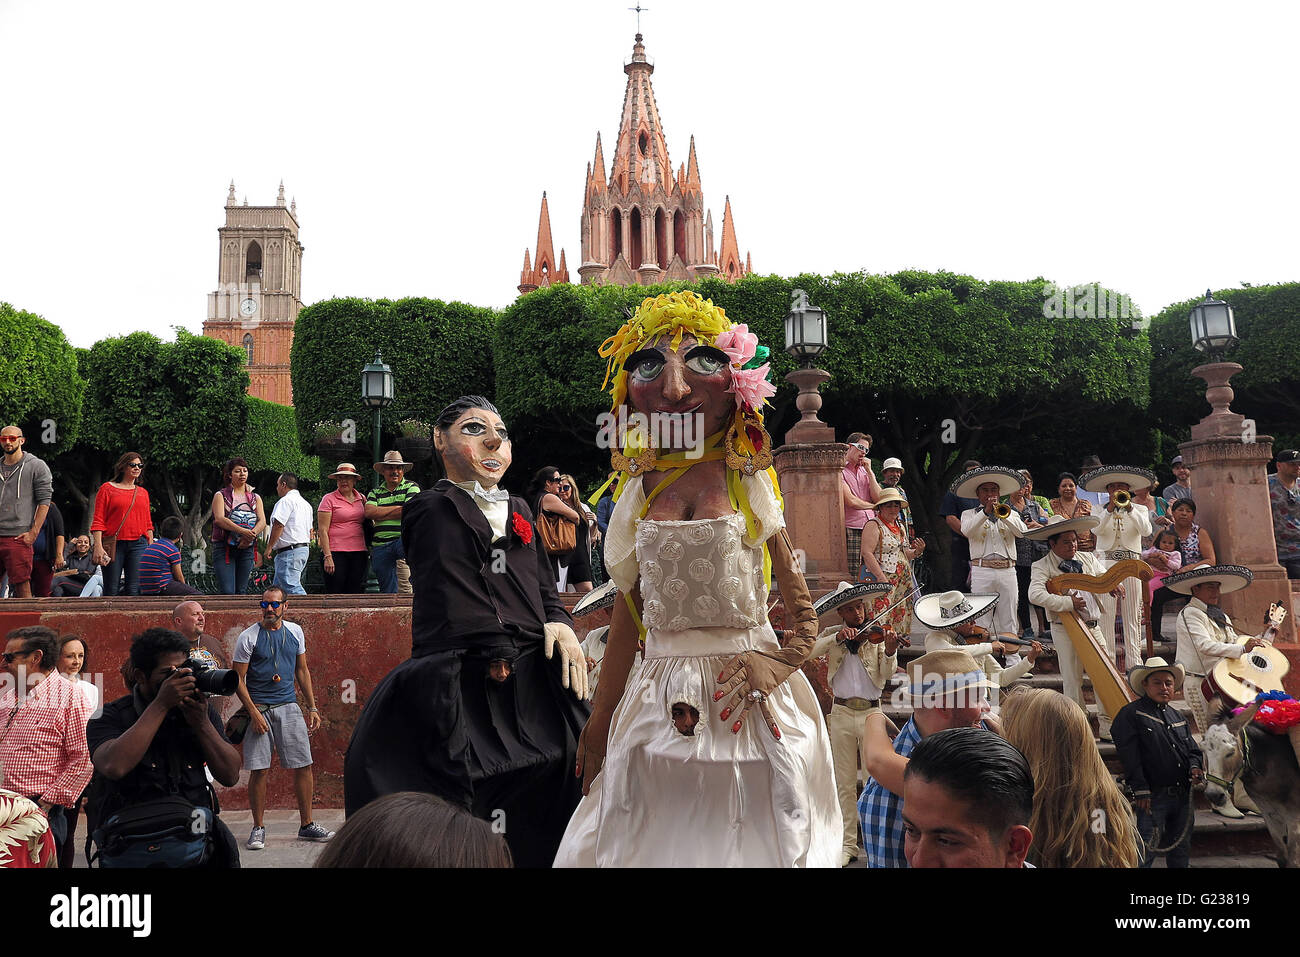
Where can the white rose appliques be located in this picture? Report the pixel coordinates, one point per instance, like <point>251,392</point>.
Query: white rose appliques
<point>707,607</point>
<point>729,588</point>
<point>701,569</point>
<point>699,534</point>
<point>671,550</point>
<point>676,589</point>
<point>654,613</point>
<point>652,572</point>
<point>647,533</point>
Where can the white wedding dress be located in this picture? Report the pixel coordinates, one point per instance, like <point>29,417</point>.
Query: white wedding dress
<point>714,798</point>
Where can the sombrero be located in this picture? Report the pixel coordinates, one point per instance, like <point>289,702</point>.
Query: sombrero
<point>596,599</point>
<point>1230,578</point>
<point>1056,525</point>
<point>345,470</point>
<point>937,674</point>
<point>1008,481</point>
<point>1132,476</point>
<point>1142,672</point>
<point>846,593</point>
<point>950,608</point>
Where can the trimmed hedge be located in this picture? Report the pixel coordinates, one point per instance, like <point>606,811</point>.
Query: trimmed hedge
<point>39,382</point>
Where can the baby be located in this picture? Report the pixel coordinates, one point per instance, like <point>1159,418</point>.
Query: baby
<point>1164,558</point>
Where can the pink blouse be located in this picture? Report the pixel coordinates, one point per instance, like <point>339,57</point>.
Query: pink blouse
<point>345,533</point>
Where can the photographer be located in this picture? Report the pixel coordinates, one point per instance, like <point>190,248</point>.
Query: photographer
<point>149,749</point>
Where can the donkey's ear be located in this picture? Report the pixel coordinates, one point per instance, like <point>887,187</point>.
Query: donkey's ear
<point>1238,722</point>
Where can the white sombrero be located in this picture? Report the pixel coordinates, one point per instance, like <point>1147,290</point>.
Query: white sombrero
<point>596,599</point>
<point>1142,672</point>
<point>950,608</point>
<point>1132,476</point>
<point>1230,578</point>
<point>1056,525</point>
<point>1007,481</point>
<point>846,593</point>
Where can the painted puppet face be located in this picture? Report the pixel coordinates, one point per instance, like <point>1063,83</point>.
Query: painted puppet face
<point>476,448</point>
<point>689,382</point>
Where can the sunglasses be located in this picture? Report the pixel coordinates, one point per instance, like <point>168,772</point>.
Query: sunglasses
<point>271,604</point>
<point>9,656</point>
<point>566,487</point>
<point>862,447</point>
<point>553,478</point>
<point>10,438</point>
<point>135,465</point>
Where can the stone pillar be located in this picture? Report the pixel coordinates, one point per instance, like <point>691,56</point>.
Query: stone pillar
<point>1230,486</point>
<point>809,467</point>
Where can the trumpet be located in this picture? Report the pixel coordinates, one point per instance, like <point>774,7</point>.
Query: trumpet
<point>1002,510</point>
<point>1122,499</point>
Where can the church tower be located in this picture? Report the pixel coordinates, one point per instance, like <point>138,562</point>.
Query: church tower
<point>259,291</point>
<point>643,223</point>
<point>543,271</point>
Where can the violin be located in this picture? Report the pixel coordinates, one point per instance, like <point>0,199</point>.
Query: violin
<point>875,634</point>
<point>979,634</point>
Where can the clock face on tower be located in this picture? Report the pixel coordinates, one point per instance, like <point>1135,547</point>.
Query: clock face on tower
<point>248,307</point>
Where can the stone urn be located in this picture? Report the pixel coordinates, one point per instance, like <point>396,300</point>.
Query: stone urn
<point>415,448</point>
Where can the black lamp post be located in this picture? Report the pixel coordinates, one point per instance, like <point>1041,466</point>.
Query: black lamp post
<point>377,391</point>
<point>1213,329</point>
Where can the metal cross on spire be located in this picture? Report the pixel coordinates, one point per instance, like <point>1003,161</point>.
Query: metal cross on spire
<point>638,8</point>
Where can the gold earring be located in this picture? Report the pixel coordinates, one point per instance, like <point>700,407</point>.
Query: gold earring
<point>748,464</point>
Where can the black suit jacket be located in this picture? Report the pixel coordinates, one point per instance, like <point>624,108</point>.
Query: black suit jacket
<point>469,589</point>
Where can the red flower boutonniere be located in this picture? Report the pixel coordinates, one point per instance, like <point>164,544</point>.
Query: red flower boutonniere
<point>522,527</point>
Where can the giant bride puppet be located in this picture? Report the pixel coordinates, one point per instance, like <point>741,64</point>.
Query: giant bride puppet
<point>696,536</point>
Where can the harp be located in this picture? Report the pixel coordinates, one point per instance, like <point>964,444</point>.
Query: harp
<point>1108,684</point>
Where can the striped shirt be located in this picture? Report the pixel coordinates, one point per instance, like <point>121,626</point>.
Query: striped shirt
<point>881,811</point>
<point>390,529</point>
<point>156,563</point>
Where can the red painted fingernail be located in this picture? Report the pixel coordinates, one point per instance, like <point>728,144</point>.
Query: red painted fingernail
<point>720,674</point>
<point>726,713</point>
<point>735,728</point>
<point>776,731</point>
<point>717,695</point>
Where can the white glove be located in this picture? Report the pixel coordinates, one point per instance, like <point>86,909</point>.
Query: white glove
<point>573,663</point>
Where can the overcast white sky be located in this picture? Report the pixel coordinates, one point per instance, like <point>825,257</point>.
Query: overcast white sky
<point>1148,146</point>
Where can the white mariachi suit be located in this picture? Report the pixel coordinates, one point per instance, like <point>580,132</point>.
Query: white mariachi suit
<point>1202,644</point>
<point>946,639</point>
<point>1049,566</point>
<point>994,541</point>
<point>855,683</point>
<point>1119,536</point>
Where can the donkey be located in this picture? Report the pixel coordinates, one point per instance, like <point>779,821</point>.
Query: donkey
<point>1266,764</point>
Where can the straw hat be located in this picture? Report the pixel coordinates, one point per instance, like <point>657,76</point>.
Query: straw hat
<point>949,609</point>
<point>939,673</point>
<point>1007,481</point>
<point>846,593</point>
<point>1230,578</point>
<point>1056,525</point>
<point>346,470</point>
<point>1142,672</point>
<point>890,495</point>
<point>392,458</point>
<point>1132,476</point>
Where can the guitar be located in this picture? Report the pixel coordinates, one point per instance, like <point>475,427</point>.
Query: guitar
<point>1261,669</point>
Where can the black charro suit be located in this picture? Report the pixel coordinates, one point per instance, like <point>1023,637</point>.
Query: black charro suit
<point>438,722</point>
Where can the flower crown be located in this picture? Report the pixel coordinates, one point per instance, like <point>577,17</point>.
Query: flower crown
<point>679,314</point>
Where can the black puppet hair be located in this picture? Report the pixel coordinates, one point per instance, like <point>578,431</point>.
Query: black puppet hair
<point>448,416</point>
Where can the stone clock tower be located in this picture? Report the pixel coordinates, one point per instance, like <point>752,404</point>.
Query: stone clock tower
<point>259,291</point>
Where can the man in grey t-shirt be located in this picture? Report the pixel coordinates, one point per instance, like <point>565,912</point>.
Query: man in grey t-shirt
<point>26,487</point>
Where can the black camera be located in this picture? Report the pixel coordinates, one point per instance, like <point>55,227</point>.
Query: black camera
<point>210,680</point>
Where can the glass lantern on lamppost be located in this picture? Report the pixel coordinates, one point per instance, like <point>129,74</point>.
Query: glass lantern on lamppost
<point>805,340</point>
<point>1213,329</point>
<point>376,392</point>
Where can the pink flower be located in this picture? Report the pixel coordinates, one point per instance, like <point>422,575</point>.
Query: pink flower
<point>751,386</point>
<point>738,343</point>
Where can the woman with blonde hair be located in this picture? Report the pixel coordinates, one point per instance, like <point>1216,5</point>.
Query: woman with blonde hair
<point>1071,785</point>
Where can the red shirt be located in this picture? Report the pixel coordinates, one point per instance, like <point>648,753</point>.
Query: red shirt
<point>111,505</point>
<point>43,748</point>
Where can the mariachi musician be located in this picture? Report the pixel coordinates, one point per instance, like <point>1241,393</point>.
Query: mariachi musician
<point>1206,637</point>
<point>951,615</point>
<point>1119,538</point>
<point>992,529</point>
<point>1064,558</point>
<point>858,670</point>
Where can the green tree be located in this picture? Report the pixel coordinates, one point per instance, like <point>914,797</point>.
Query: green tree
<point>270,446</point>
<point>180,404</point>
<point>41,389</point>
<point>1268,387</point>
<point>436,350</point>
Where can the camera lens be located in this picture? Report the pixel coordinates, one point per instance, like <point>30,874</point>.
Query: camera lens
<point>218,681</point>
